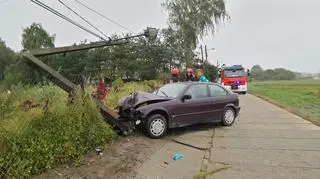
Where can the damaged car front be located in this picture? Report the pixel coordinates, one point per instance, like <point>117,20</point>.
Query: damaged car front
<point>133,107</point>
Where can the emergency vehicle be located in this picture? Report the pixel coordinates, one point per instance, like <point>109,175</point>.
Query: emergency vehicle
<point>234,78</point>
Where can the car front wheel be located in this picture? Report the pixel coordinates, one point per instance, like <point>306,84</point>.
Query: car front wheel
<point>156,126</point>
<point>228,117</point>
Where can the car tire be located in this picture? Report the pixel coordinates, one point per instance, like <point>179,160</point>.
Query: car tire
<point>156,126</point>
<point>228,117</point>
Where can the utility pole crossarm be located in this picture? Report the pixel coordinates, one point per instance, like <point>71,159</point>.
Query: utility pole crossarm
<point>58,50</point>
<point>149,33</point>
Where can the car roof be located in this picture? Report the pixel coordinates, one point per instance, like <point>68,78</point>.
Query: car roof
<point>196,82</point>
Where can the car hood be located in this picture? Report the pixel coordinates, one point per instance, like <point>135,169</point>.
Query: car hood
<point>138,98</point>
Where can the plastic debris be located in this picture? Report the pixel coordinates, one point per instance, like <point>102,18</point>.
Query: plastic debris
<point>99,151</point>
<point>177,156</point>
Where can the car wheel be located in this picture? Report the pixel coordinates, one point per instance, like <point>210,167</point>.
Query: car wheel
<point>228,117</point>
<point>156,126</point>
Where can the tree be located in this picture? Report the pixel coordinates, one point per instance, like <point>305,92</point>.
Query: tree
<point>195,18</point>
<point>7,57</point>
<point>35,36</point>
<point>256,72</point>
<point>211,72</point>
<point>257,69</point>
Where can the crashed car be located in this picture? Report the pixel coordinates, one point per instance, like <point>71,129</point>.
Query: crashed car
<point>180,104</point>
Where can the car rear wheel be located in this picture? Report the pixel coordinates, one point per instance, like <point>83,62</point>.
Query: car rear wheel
<point>156,126</point>
<point>228,117</point>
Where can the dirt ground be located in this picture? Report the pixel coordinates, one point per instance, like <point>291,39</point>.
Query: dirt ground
<point>119,160</point>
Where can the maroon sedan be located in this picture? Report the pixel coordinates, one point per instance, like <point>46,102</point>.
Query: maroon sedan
<point>180,104</point>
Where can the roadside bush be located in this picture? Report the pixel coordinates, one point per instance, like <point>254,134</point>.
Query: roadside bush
<point>115,95</point>
<point>37,139</point>
<point>153,84</point>
<point>117,84</point>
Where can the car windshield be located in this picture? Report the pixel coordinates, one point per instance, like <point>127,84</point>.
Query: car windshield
<point>170,90</point>
<point>234,72</point>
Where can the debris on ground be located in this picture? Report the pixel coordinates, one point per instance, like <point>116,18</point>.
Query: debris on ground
<point>99,151</point>
<point>177,156</point>
<point>28,104</point>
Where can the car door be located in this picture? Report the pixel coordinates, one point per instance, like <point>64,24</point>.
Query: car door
<point>219,99</point>
<point>197,108</point>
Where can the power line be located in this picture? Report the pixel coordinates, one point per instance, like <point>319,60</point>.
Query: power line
<point>82,18</point>
<point>109,19</point>
<point>65,18</point>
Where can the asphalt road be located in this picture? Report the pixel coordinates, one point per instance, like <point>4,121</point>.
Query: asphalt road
<point>265,142</point>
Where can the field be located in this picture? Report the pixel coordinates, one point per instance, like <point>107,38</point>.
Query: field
<point>301,97</point>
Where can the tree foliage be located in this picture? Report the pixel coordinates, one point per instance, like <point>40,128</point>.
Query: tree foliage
<point>35,36</point>
<point>258,73</point>
<point>7,57</point>
<point>195,18</point>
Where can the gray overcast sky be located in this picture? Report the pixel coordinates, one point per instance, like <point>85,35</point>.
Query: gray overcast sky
<point>272,33</point>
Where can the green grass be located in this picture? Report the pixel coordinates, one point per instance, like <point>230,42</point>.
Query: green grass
<point>205,174</point>
<point>301,97</point>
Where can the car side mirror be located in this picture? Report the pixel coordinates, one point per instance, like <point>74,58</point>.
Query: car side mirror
<point>186,97</point>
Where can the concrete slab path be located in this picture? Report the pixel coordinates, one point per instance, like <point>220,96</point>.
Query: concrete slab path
<point>265,142</point>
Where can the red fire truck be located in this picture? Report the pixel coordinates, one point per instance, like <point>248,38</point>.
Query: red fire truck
<point>234,78</point>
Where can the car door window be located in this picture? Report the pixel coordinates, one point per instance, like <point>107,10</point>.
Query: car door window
<point>217,91</point>
<point>197,91</point>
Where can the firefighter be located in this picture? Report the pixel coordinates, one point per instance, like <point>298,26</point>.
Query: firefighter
<point>189,75</point>
<point>174,75</point>
<point>200,76</point>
